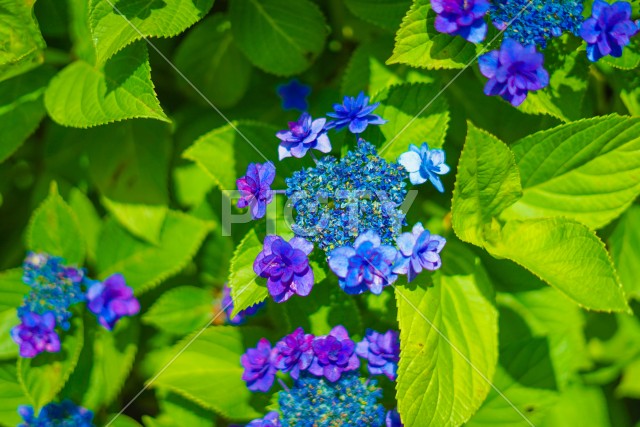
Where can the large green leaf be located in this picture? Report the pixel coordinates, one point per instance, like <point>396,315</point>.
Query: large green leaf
<point>385,13</point>
<point>117,23</point>
<point>586,170</point>
<point>624,244</point>
<point>579,406</point>
<point>120,89</point>
<point>12,291</point>
<point>11,395</point>
<point>22,44</point>
<point>181,310</point>
<point>418,44</point>
<point>280,36</point>
<point>247,288</point>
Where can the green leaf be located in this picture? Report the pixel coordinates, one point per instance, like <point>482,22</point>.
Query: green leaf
<point>448,347</point>
<point>54,229</point>
<point>22,43</point>
<point>116,24</point>
<point>214,358</point>
<point>630,58</point>
<point>12,291</point>
<point>91,223</point>
<point>80,32</point>
<point>624,244</point>
<point>208,57</point>
<point>278,36</point>
<point>418,44</point>
<point>177,411</point>
<point>11,395</point>
<point>44,376</point>
<point>119,90</point>
<point>181,310</point>
<point>145,265</point>
<point>122,421</point>
<point>630,384</point>
<point>247,288</point>
<point>579,406</point>
<point>585,170</point>
<point>386,14</point>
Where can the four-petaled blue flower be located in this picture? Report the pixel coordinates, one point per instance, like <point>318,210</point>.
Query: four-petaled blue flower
<point>424,164</point>
<point>382,351</point>
<point>513,71</point>
<point>294,95</point>
<point>334,355</point>
<point>286,267</point>
<point>272,419</point>
<point>65,413</point>
<point>464,18</point>
<point>302,136</point>
<point>111,300</point>
<point>255,188</point>
<point>418,250</point>
<point>354,113</point>
<point>36,333</point>
<point>259,372</point>
<point>608,29</point>
<point>294,353</point>
<point>365,266</point>
<point>393,419</point>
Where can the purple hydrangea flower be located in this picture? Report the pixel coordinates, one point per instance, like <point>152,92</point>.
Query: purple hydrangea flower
<point>259,372</point>
<point>382,351</point>
<point>424,164</point>
<point>65,413</point>
<point>36,333</point>
<point>608,29</point>
<point>302,136</point>
<point>255,188</point>
<point>111,300</point>
<point>334,354</point>
<point>286,267</point>
<point>272,419</point>
<point>464,18</point>
<point>393,419</point>
<point>365,266</point>
<point>294,95</point>
<point>513,71</point>
<point>418,250</point>
<point>354,113</point>
<point>294,353</point>
<point>227,306</point>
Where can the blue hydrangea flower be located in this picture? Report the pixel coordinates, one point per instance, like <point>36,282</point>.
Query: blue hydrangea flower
<point>365,266</point>
<point>63,414</point>
<point>286,267</point>
<point>382,351</point>
<point>259,372</point>
<point>425,164</point>
<point>418,250</point>
<point>336,201</point>
<point>513,71</point>
<point>36,333</point>
<point>334,354</point>
<point>111,300</point>
<point>255,188</point>
<point>536,21</point>
<point>316,402</point>
<point>464,18</point>
<point>354,113</point>
<point>294,95</point>
<point>302,136</point>
<point>227,306</point>
<point>294,353</point>
<point>272,419</point>
<point>608,29</point>
<point>393,419</point>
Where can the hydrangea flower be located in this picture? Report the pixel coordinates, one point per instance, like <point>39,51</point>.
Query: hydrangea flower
<point>316,402</point>
<point>227,306</point>
<point>354,113</point>
<point>294,353</point>
<point>36,333</point>
<point>111,300</point>
<point>334,355</point>
<point>302,136</point>
<point>259,372</point>
<point>393,419</point>
<point>464,18</point>
<point>536,21</point>
<point>365,266</point>
<point>424,164</point>
<point>336,201</point>
<point>418,250</point>
<point>65,413</point>
<point>255,188</point>
<point>294,95</point>
<point>608,29</point>
<point>513,71</point>
<point>286,267</point>
<point>382,351</point>
<point>272,419</point>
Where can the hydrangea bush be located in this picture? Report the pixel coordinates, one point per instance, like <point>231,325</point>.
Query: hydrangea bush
<point>319,213</point>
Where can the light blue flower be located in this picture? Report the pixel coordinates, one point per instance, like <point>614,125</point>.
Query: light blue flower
<point>424,164</point>
<point>418,250</point>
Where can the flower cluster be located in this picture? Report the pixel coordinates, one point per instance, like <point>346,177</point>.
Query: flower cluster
<point>64,414</point>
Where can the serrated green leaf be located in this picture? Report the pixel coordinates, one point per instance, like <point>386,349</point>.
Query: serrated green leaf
<point>145,265</point>
<point>54,229</point>
<point>22,44</point>
<point>385,13</point>
<point>630,58</point>
<point>181,310</point>
<point>143,221</point>
<point>11,395</point>
<point>119,90</point>
<point>278,36</point>
<point>585,170</point>
<point>116,24</point>
<point>624,244</point>
<point>247,288</point>
<point>12,291</point>
<point>418,44</point>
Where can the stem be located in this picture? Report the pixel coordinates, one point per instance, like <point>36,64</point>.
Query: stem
<point>313,156</point>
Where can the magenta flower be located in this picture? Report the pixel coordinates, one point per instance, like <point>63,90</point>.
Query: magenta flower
<point>255,188</point>
<point>259,372</point>
<point>36,333</point>
<point>111,300</point>
<point>334,354</point>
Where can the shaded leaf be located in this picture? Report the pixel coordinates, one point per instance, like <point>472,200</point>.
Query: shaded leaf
<point>624,244</point>
<point>22,44</point>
